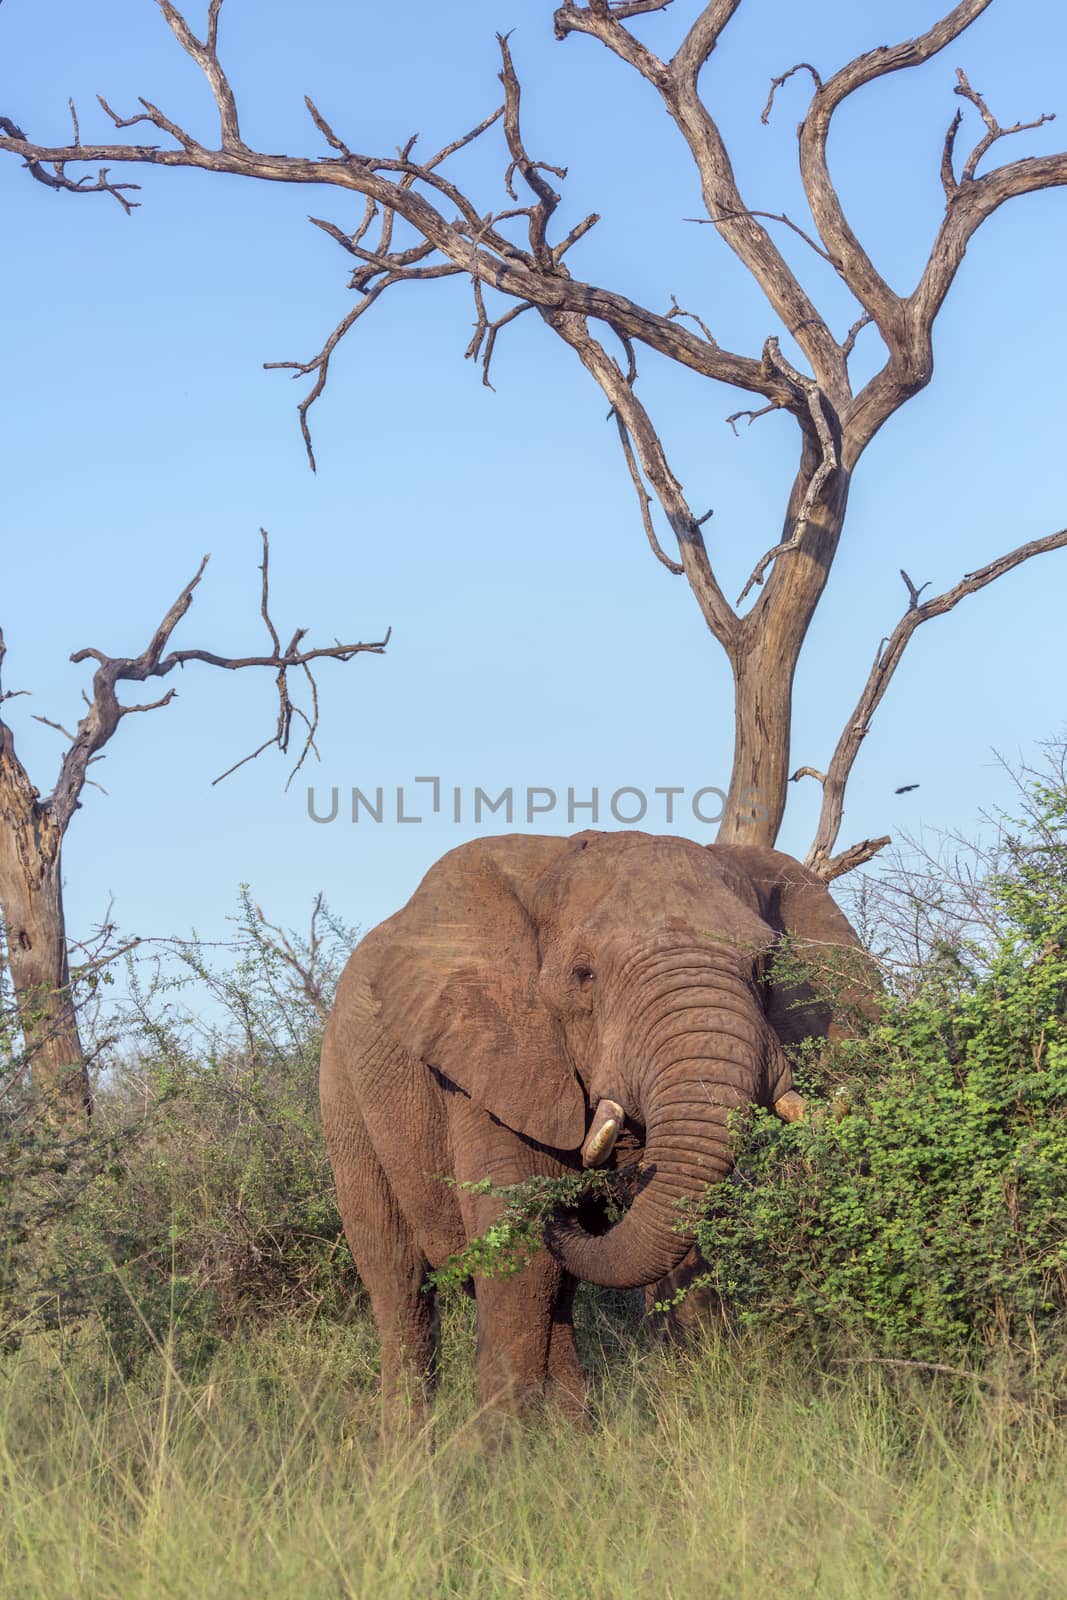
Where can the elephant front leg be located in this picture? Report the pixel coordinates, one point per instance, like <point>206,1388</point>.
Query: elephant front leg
<point>527,1352</point>
<point>523,1355</point>
<point>525,1336</point>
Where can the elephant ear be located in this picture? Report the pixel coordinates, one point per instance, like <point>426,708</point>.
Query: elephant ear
<point>456,983</point>
<point>840,985</point>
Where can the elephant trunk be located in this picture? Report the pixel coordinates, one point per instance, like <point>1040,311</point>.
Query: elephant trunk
<point>688,1146</point>
<point>707,1052</point>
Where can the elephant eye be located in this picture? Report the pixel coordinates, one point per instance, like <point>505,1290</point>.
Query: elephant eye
<point>584,974</point>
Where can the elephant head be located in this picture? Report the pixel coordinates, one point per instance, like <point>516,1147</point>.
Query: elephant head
<point>571,986</point>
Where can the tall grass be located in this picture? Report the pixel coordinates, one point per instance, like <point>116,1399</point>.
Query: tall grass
<point>723,1470</point>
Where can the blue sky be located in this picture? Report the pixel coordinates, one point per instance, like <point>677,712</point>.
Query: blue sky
<point>535,640</point>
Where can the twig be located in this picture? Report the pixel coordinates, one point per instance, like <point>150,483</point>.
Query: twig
<point>644,499</point>
<point>579,231</point>
<point>948,174</point>
<point>327,132</point>
<point>485,332</point>
<point>913,592</point>
<point>848,344</point>
<point>753,416</point>
<point>303,968</point>
<point>320,364</point>
<point>783,78</point>
<point>676,311</point>
<point>771,216</point>
<point>994,131</point>
<point>58,726</point>
<point>918,1366</point>
<point>57,178</point>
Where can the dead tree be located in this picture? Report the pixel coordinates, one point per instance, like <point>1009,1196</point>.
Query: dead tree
<point>32,828</point>
<point>418,225</point>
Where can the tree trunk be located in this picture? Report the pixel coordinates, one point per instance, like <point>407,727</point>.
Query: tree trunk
<point>764,662</point>
<point>31,899</point>
<point>763,710</point>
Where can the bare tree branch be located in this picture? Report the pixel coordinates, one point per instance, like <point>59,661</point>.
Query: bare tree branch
<point>886,662</point>
<point>907,324</point>
<point>948,175</point>
<point>856,267</point>
<point>631,415</point>
<point>677,311</point>
<point>828,463</point>
<point>702,39</point>
<point>973,204</point>
<point>105,710</point>
<point>735,222</point>
<point>57,178</point>
<point>783,78</point>
<point>993,129</point>
<point>487,331</point>
<point>496,263</point>
<point>320,364</point>
<point>855,856</point>
<point>604,22</point>
<point>547,198</point>
<point>57,726</point>
<point>753,416</point>
<point>205,54</point>
<point>848,344</point>
<point>913,592</point>
<point>644,499</point>
<point>770,216</point>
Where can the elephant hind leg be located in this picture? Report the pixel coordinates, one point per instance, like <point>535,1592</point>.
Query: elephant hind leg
<point>392,1267</point>
<point>394,1271</point>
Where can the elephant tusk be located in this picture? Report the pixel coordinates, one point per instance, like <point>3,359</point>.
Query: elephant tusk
<point>790,1106</point>
<point>603,1132</point>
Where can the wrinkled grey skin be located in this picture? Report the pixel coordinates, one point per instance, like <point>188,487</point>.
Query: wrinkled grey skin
<point>537,998</point>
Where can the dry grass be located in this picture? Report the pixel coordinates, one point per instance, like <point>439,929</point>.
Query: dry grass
<point>723,1472</point>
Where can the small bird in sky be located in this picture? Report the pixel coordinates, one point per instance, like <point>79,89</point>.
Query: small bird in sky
<point>906,788</point>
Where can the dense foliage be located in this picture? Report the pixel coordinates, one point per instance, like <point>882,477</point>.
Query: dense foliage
<point>201,1199</point>
<point>934,1216</point>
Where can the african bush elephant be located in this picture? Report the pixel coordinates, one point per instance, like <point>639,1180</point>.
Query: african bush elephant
<point>534,1000</point>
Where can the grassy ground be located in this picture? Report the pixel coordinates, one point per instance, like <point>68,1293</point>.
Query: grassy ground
<point>724,1472</point>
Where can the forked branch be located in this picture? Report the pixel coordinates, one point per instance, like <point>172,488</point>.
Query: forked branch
<point>885,664</point>
<point>994,131</point>
<point>105,711</point>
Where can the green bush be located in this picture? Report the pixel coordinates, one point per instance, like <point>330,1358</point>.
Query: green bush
<point>202,1198</point>
<point>934,1216</point>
